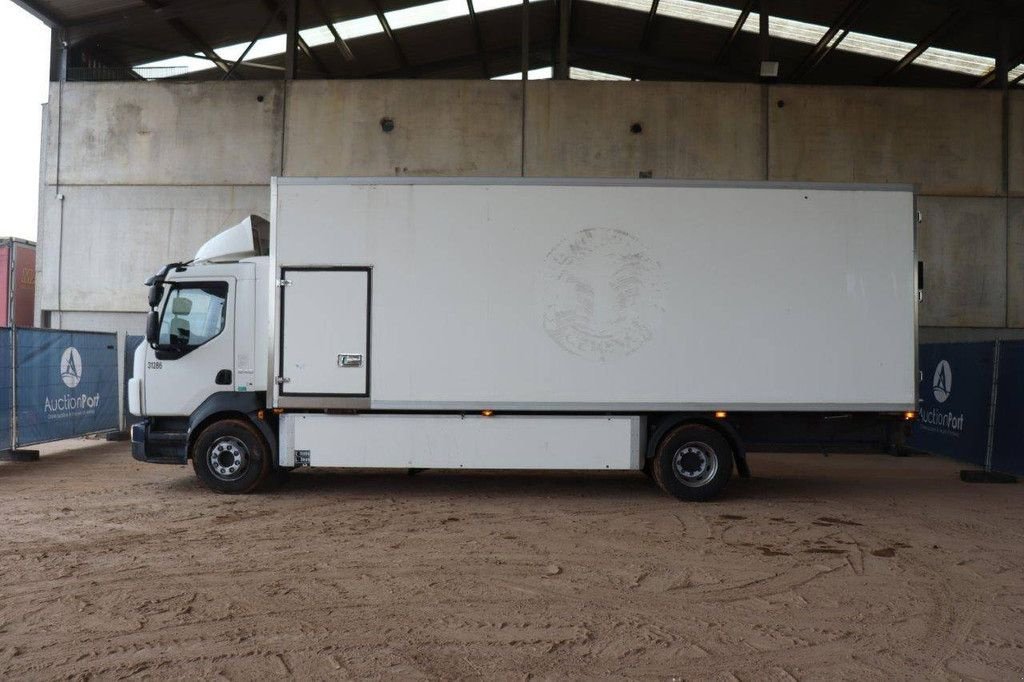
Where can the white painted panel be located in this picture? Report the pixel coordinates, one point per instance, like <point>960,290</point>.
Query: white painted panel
<point>622,296</point>
<point>325,321</point>
<point>474,442</point>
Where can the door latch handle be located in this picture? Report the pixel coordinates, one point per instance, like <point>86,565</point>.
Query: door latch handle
<point>350,360</point>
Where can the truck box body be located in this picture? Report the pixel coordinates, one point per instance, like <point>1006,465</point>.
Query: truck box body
<point>591,296</point>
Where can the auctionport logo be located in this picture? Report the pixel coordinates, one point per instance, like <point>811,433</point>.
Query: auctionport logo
<point>936,419</point>
<point>942,382</point>
<point>69,405</point>
<point>71,367</point>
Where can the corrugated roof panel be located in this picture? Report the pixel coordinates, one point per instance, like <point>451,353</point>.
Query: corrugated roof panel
<point>437,42</point>
<point>608,25</point>
<point>130,30</point>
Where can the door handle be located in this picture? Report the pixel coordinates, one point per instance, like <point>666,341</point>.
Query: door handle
<point>350,360</point>
<point>223,377</point>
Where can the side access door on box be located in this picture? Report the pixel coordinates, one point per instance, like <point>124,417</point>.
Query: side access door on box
<point>324,344</point>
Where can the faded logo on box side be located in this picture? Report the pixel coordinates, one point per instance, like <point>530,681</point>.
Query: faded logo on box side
<point>603,294</point>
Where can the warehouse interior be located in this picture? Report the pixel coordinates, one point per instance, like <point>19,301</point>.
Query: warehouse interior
<point>167,119</point>
<point>142,161</point>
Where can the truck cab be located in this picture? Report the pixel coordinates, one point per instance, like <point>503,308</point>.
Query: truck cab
<point>203,359</point>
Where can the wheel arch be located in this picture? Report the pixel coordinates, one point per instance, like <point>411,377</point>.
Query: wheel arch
<point>231,405</point>
<point>665,423</point>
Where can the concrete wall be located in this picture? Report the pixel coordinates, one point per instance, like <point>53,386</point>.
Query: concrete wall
<point>333,128</point>
<point>147,171</point>
<point>687,130</point>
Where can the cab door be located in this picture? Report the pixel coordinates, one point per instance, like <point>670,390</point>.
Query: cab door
<point>195,355</point>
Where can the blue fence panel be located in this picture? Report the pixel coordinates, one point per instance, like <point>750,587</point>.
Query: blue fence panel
<point>67,384</point>
<point>955,393</point>
<point>1008,440</point>
<point>6,376</point>
<point>130,344</point>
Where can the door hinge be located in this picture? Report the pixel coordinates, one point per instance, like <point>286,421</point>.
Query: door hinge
<point>284,282</point>
<point>302,458</point>
<point>282,380</point>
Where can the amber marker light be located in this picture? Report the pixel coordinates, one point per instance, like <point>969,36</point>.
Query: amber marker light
<point>487,413</point>
<point>721,414</point>
<point>910,416</point>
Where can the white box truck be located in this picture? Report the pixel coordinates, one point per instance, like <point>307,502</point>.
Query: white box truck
<point>527,324</point>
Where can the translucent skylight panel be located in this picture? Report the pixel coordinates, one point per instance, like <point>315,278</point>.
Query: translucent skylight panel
<point>578,74</point>
<point>951,60</point>
<point>357,28</point>
<point>488,5</point>
<point>700,12</point>
<point>810,34</point>
<point>174,66</point>
<point>264,47</point>
<point>540,74</point>
<point>874,46</point>
<point>639,5</point>
<point>321,35</point>
<point>787,29</point>
<point>428,13</point>
<point>348,29</point>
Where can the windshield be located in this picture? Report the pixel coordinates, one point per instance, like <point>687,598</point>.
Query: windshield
<point>193,314</point>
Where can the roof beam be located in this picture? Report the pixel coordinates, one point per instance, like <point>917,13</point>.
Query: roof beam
<point>291,34</point>
<point>136,16</point>
<point>39,13</point>
<point>561,71</point>
<point>539,55</point>
<point>399,53</point>
<point>274,7</point>
<point>524,41</point>
<point>241,57</point>
<point>829,41</point>
<point>764,31</point>
<point>339,42</point>
<point>177,53</point>
<point>993,74</point>
<point>183,29</point>
<point>735,31</point>
<point>936,34</point>
<point>645,39</point>
<point>479,37</point>
<point>649,25</point>
<point>637,59</point>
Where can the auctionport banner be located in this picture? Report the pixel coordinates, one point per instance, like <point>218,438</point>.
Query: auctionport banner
<point>67,384</point>
<point>955,393</point>
<point>6,376</point>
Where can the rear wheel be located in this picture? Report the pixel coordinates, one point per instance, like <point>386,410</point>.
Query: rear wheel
<point>230,456</point>
<point>692,462</point>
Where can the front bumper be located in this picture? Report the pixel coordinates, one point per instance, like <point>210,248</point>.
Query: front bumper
<point>149,444</point>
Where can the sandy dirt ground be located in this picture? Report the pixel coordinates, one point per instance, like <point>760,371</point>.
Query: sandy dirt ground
<point>851,566</point>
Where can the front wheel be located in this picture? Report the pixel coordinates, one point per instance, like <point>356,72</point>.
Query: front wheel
<point>230,456</point>
<point>692,462</point>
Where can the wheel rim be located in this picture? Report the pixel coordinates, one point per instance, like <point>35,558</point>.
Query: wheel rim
<point>695,463</point>
<point>228,458</point>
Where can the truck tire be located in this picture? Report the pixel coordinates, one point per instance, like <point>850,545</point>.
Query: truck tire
<point>692,462</point>
<point>230,456</point>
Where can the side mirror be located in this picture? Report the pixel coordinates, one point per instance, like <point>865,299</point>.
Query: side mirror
<point>156,292</point>
<point>153,327</point>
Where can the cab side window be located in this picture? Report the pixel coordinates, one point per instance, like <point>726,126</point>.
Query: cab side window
<point>193,314</point>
